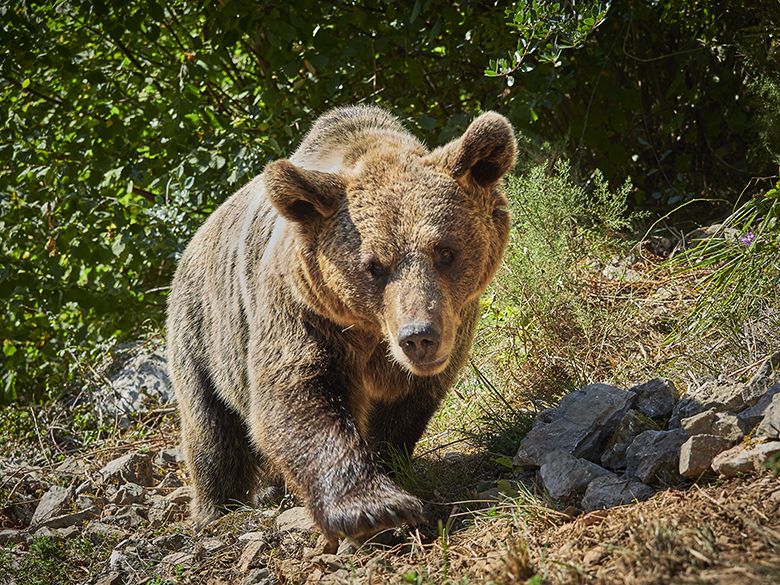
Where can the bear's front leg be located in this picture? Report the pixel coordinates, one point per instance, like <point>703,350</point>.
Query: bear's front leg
<point>306,430</point>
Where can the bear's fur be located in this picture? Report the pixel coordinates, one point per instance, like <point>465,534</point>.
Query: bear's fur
<point>322,312</point>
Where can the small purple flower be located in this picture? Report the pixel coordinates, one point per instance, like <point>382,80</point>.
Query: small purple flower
<point>747,238</point>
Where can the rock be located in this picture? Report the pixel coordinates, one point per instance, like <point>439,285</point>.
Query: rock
<point>53,503</point>
<point>699,424</point>
<point>620,269</point>
<point>140,384</point>
<point>11,536</point>
<point>171,542</point>
<point>608,491</point>
<point>181,495</point>
<point>160,511</point>
<point>750,417</point>
<point>580,424</point>
<point>169,481</point>
<point>295,519</point>
<point>172,456</point>
<point>130,517</point>
<point>565,476</point>
<point>260,577</point>
<point>769,426</point>
<point>697,453</point>
<point>102,531</point>
<point>722,396</point>
<point>130,493</point>
<point>178,559</point>
<point>744,458</point>
<point>117,560</point>
<point>655,398</point>
<point>727,426</point>
<point>252,556</point>
<point>112,578</point>
<point>653,457</point>
<point>762,380</point>
<point>632,424</point>
<point>250,536</point>
<point>130,468</point>
<point>71,466</point>
<point>72,519</point>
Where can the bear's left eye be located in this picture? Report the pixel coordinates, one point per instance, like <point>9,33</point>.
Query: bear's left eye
<point>443,256</point>
<point>375,269</point>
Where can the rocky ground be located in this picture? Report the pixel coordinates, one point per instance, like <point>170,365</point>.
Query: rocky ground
<point>640,486</point>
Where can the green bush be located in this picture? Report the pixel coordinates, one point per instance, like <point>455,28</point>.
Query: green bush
<point>540,311</point>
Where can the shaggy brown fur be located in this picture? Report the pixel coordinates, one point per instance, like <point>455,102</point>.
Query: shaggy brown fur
<point>323,311</point>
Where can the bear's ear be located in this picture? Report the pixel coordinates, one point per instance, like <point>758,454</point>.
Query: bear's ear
<point>484,153</point>
<point>301,195</point>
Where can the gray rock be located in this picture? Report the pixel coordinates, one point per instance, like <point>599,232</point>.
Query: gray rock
<point>133,468</point>
<point>608,491</point>
<point>101,531</point>
<point>699,424</point>
<point>178,559</point>
<point>653,457</point>
<point>111,578</point>
<point>129,517</point>
<point>252,556</point>
<point>565,477</point>
<point>172,542</point>
<point>744,458</point>
<point>171,456</point>
<point>761,380</point>
<point>72,519</point>
<point>632,424</point>
<point>722,396</point>
<point>727,426</point>
<point>769,426</point>
<point>130,493</point>
<point>655,398</point>
<point>294,519</point>
<point>117,560</point>
<point>250,536</point>
<point>11,536</point>
<point>580,424</point>
<point>71,466</point>
<point>697,453</point>
<point>139,385</point>
<point>261,576</point>
<point>181,495</point>
<point>750,417</point>
<point>169,481</point>
<point>160,511</point>
<point>53,503</point>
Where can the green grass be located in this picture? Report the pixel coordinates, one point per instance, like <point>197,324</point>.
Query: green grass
<point>740,265</point>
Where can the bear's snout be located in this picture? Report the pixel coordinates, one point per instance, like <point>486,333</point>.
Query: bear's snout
<point>420,341</point>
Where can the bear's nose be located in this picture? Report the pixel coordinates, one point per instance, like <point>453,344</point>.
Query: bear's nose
<point>419,340</point>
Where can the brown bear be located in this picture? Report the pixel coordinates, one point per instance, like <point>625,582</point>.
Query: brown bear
<point>321,313</point>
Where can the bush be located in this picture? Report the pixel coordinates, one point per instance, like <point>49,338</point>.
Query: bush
<point>541,312</point>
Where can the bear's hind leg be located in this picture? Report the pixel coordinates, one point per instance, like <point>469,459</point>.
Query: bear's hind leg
<point>223,466</point>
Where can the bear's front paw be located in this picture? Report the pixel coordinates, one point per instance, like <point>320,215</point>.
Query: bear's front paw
<point>377,505</point>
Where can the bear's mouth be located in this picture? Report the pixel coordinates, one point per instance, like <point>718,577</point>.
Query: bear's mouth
<point>429,368</point>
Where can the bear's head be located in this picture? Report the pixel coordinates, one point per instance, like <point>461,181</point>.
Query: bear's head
<point>400,243</point>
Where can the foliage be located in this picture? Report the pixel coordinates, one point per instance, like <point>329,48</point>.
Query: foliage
<point>682,96</point>
<point>544,30</point>
<point>50,561</point>
<point>126,123</point>
<point>541,306</point>
<point>742,262</point>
